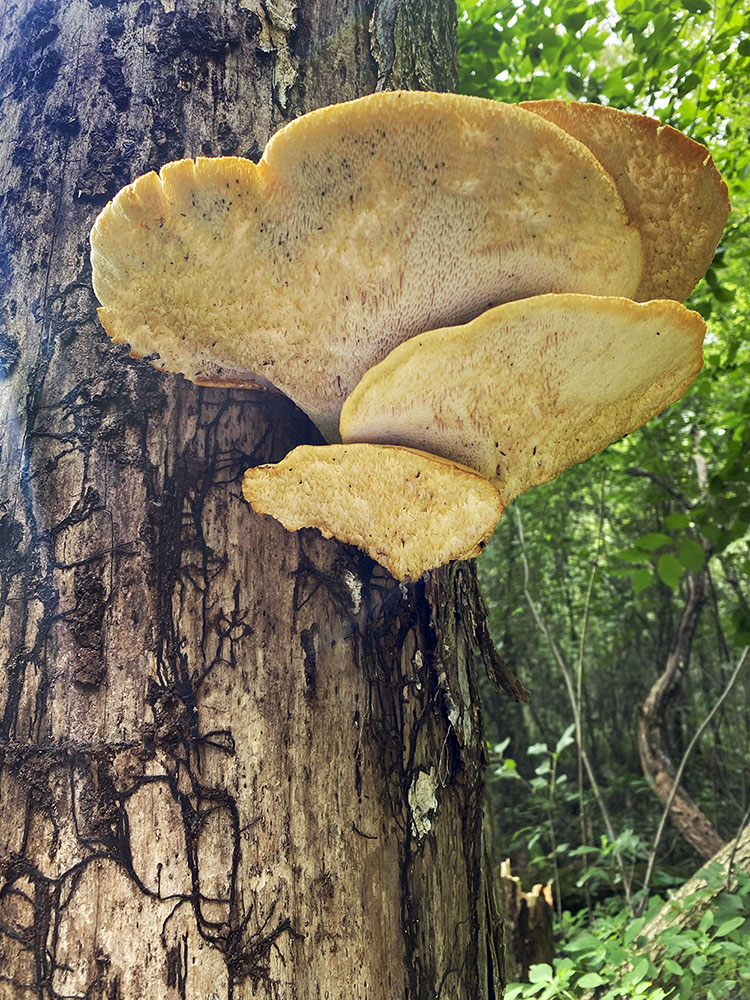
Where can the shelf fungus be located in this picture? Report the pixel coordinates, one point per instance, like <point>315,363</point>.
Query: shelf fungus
<point>408,510</point>
<point>531,387</point>
<point>672,191</point>
<point>458,274</point>
<point>363,224</point>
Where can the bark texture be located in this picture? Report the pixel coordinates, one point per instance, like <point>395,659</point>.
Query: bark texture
<point>234,762</point>
<point>653,747</point>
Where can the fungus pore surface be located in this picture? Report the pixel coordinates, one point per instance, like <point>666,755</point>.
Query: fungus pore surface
<point>362,225</point>
<point>530,387</point>
<point>408,510</point>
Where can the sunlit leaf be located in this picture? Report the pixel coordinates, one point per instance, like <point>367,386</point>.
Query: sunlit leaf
<point>728,926</point>
<point>540,973</point>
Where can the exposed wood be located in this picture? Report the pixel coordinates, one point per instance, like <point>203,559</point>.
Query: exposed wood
<point>528,937</point>
<point>234,762</point>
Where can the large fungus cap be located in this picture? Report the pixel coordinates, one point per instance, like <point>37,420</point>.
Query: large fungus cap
<point>530,387</point>
<point>409,511</point>
<point>671,188</point>
<point>363,224</point>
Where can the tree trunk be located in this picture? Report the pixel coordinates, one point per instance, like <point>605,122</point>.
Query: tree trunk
<point>656,761</point>
<point>234,762</point>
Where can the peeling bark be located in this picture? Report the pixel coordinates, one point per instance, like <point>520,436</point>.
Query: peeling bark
<point>415,44</point>
<point>212,731</point>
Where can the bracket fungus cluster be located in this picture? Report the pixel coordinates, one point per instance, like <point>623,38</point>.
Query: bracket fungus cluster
<point>453,287</point>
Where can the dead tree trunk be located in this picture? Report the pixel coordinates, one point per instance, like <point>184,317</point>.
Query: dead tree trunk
<point>656,761</point>
<point>234,762</point>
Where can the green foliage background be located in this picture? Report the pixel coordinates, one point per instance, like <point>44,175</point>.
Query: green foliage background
<point>610,542</point>
<point>608,546</point>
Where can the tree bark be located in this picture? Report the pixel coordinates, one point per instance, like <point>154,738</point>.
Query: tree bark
<point>656,760</point>
<point>234,762</point>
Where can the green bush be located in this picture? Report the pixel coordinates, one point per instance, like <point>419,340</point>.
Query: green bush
<point>702,955</point>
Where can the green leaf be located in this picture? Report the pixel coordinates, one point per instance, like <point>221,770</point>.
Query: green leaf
<point>692,555</point>
<point>575,21</point>
<point>633,929</point>
<point>540,973</point>
<point>669,965</point>
<point>590,980</point>
<point>585,941</point>
<point>744,47</point>
<point>688,83</point>
<point>632,555</point>
<point>670,570</point>
<point>653,540</point>
<point>574,84</point>
<point>566,739</point>
<point>642,578</point>
<point>675,522</point>
<point>637,973</point>
<point>740,619</point>
<point>698,964</point>
<point>707,920</point>
<point>728,926</point>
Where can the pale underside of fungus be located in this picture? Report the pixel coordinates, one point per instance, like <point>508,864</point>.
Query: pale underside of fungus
<point>462,270</point>
<point>531,387</point>
<point>408,510</point>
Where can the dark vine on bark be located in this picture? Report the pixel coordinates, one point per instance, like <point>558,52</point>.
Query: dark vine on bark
<point>409,693</point>
<point>102,780</point>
